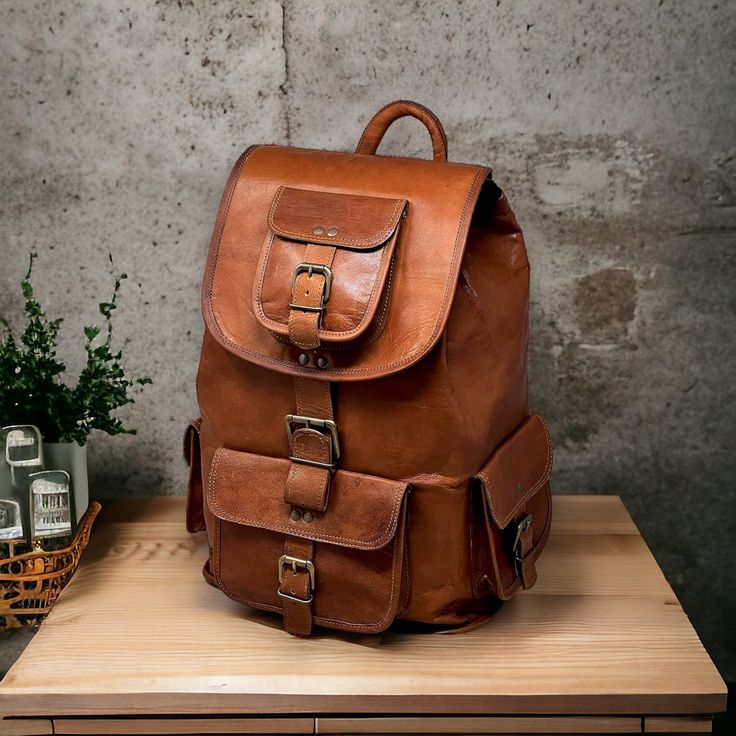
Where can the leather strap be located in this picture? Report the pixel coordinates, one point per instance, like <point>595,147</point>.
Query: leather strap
<point>379,123</point>
<point>525,557</point>
<point>296,589</point>
<point>307,485</point>
<point>309,291</point>
<point>307,488</point>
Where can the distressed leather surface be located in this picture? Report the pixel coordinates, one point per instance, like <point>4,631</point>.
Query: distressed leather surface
<point>356,222</point>
<point>356,544</point>
<point>425,269</point>
<point>362,511</point>
<point>440,462</point>
<point>513,484</point>
<point>517,470</point>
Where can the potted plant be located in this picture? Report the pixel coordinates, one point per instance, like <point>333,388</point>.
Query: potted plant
<point>33,391</point>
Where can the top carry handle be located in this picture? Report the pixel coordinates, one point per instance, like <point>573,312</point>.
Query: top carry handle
<point>380,122</point>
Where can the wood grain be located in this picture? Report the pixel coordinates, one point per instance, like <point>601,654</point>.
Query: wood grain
<point>678,724</point>
<point>175,726</point>
<point>138,632</point>
<point>26,727</point>
<point>485,725</point>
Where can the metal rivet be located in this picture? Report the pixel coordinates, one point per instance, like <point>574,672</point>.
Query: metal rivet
<point>295,515</point>
<point>319,231</point>
<point>303,359</point>
<point>308,517</point>
<point>332,232</point>
<point>322,362</point>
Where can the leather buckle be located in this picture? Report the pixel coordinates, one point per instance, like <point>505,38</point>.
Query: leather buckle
<point>312,268</point>
<point>328,427</point>
<point>297,564</point>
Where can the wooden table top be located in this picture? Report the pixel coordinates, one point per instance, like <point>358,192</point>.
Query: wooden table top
<point>138,630</point>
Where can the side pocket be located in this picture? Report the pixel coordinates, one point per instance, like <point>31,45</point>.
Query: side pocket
<point>511,512</point>
<point>195,498</point>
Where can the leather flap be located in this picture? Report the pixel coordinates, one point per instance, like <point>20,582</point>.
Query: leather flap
<point>344,220</point>
<point>517,470</point>
<point>362,510</point>
<point>366,232</point>
<point>420,278</point>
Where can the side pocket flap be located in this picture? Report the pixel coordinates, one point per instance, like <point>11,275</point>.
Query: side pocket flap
<point>362,510</point>
<point>517,470</point>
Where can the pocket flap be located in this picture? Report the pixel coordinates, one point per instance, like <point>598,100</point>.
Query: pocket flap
<point>344,220</point>
<point>362,510</point>
<point>364,231</point>
<point>517,470</point>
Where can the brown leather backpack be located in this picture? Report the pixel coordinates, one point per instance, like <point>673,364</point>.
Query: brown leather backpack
<point>365,452</point>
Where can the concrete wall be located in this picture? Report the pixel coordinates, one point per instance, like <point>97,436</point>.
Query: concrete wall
<point>612,127</point>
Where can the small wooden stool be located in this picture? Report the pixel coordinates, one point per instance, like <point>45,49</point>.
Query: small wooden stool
<point>139,644</point>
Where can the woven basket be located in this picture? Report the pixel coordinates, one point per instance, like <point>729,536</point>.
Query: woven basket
<point>30,583</point>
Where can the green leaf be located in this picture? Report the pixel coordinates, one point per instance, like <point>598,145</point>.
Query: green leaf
<point>31,390</point>
<point>91,333</point>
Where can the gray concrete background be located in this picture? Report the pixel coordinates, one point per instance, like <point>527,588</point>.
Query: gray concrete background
<point>612,127</point>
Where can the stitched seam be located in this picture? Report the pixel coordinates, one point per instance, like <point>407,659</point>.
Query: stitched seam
<point>476,577</point>
<point>406,360</point>
<point>318,619</point>
<point>312,341</point>
<point>301,404</point>
<point>379,320</point>
<point>321,619</point>
<point>220,223</point>
<point>503,523</point>
<point>387,613</point>
<point>381,237</point>
<point>321,537</point>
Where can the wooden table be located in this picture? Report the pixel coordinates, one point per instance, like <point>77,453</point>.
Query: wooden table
<point>138,643</point>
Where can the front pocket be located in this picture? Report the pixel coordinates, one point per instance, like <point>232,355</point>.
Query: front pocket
<point>511,511</point>
<point>359,540</point>
<point>363,231</point>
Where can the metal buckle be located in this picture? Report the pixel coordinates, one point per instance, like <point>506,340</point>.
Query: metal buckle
<point>521,527</point>
<point>294,420</point>
<point>311,268</point>
<point>297,563</point>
